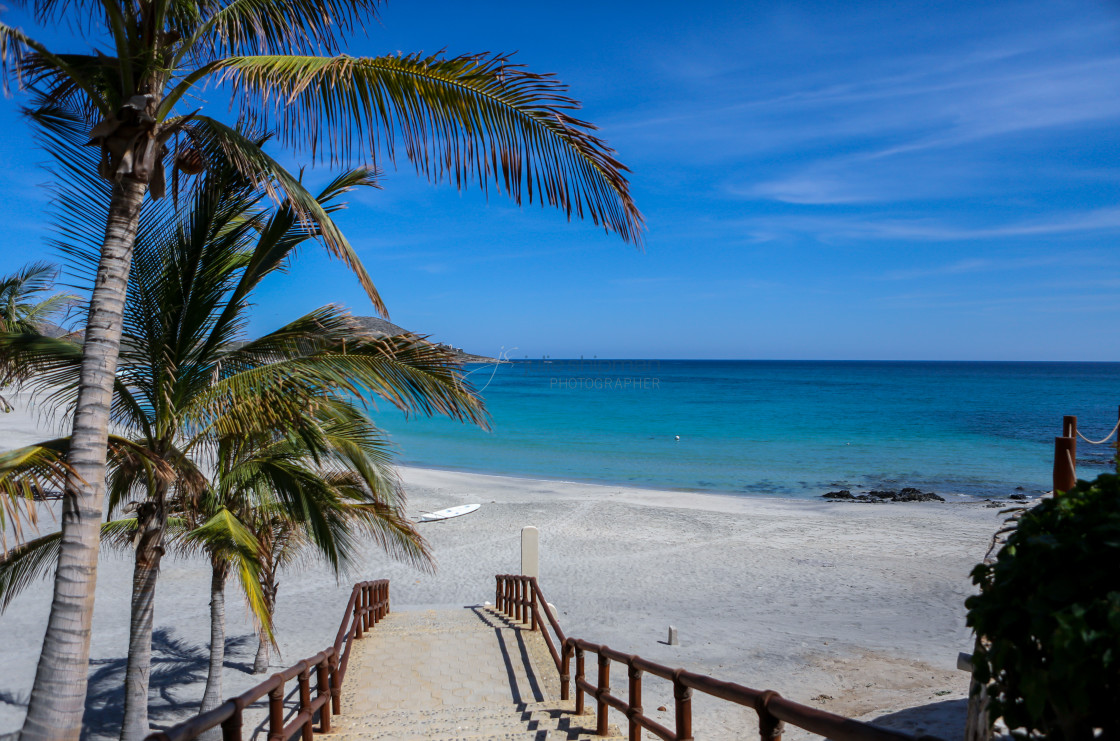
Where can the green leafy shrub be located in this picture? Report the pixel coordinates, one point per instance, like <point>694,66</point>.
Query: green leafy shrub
<point>1049,614</point>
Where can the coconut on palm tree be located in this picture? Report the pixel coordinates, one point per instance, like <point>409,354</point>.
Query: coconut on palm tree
<point>470,118</point>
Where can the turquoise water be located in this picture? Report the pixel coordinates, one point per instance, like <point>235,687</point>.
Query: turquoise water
<point>786,428</point>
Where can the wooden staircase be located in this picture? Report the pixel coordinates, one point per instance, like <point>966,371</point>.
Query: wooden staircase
<point>467,673</point>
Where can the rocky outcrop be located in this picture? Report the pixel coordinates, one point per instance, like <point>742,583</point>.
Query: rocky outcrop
<point>381,328</point>
<point>909,494</point>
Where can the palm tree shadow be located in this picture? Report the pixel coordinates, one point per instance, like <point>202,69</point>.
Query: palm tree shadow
<point>942,720</point>
<point>178,676</point>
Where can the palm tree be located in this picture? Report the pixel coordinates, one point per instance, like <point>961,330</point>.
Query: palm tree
<point>264,489</point>
<point>182,387</point>
<point>470,118</point>
<point>24,308</point>
<point>337,467</point>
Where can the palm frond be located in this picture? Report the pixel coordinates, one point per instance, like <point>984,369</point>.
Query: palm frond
<point>328,349</point>
<point>36,559</point>
<point>27,474</point>
<point>213,137</point>
<point>25,564</point>
<point>225,537</point>
<point>274,27</point>
<point>22,57</point>
<point>478,118</point>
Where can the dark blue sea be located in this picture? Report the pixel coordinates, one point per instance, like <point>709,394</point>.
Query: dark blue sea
<point>779,428</point>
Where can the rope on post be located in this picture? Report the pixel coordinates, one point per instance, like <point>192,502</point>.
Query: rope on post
<point>1102,440</point>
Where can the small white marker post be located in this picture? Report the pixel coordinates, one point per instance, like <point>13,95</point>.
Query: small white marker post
<point>673,636</point>
<point>530,551</point>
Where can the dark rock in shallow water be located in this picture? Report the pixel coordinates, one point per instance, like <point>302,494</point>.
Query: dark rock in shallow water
<point>913,495</point>
<point>1018,497</point>
<point>909,494</point>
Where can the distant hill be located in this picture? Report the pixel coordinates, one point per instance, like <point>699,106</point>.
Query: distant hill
<point>379,327</point>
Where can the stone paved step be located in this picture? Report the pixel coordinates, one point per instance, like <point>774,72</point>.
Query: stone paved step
<point>521,722</point>
<point>454,674</point>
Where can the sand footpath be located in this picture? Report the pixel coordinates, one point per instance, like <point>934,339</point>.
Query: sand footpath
<point>853,608</point>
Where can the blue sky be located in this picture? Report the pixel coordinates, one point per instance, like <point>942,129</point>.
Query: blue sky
<point>820,180</point>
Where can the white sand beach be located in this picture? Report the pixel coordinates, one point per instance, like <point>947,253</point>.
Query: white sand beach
<point>854,608</point>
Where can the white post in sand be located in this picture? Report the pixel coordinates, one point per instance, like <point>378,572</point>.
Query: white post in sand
<point>530,551</point>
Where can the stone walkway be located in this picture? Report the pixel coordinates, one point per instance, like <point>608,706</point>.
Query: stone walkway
<point>454,674</point>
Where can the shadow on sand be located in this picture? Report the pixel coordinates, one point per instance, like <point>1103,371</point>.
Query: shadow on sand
<point>944,720</point>
<point>176,666</point>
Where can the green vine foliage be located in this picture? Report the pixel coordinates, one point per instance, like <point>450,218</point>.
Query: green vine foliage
<point>1049,613</point>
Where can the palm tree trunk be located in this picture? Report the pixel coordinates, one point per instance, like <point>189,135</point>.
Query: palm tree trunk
<point>268,589</point>
<point>59,692</point>
<point>151,521</point>
<point>260,663</point>
<point>212,697</point>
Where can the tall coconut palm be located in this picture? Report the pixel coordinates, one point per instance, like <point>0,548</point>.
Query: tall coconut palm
<point>182,387</point>
<point>470,118</point>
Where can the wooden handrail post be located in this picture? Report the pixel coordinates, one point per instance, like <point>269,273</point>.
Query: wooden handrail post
<point>634,708</point>
<point>323,687</point>
<point>231,726</point>
<point>304,678</point>
<point>276,712</point>
<point>498,593</point>
<point>1065,464</point>
<point>365,607</point>
<point>769,727</point>
<point>579,678</point>
<point>565,671</point>
<point>358,614</point>
<point>603,687</point>
<point>682,699</point>
<point>1069,429</point>
<point>336,686</point>
<point>533,606</point>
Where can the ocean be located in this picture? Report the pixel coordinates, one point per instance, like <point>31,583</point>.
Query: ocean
<point>776,428</point>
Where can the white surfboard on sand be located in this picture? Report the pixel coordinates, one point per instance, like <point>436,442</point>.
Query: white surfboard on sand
<point>445,514</point>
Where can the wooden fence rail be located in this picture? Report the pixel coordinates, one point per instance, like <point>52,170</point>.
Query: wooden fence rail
<point>369,602</point>
<point>520,598</point>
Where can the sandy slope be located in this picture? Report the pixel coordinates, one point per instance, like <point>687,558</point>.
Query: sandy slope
<point>854,608</point>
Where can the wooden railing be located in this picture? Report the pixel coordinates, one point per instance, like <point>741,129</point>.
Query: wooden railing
<point>369,602</point>
<point>520,598</point>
